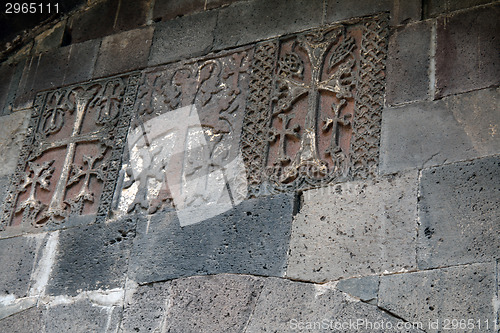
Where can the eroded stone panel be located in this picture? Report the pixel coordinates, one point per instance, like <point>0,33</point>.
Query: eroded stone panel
<point>71,154</point>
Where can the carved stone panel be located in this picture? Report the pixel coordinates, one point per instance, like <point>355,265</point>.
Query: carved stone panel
<point>184,137</point>
<point>314,109</point>
<point>71,156</point>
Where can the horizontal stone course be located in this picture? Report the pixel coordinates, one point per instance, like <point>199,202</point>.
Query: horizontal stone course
<point>458,213</point>
<point>355,229</point>
<point>461,292</point>
<point>251,238</point>
<point>425,134</point>
<point>433,8</point>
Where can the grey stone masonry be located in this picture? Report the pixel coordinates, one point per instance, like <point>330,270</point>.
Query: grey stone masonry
<point>364,288</point>
<point>355,229</point>
<point>26,321</point>
<point>436,297</point>
<point>12,133</point>
<point>91,258</point>
<point>408,70</point>
<point>287,306</point>
<point>453,129</point>
<point>337,10</point>
<point>251,238</point>
<point>467,52</point>
<point>459,215</point>
<point>433,8</point>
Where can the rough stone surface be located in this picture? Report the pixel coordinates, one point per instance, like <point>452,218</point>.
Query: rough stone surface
<point>95,22</point>
<point>50,39</point>
<point>26,322</point>
<point>167,10</point>
<point>145,307</point>
<point>251,238</point>
<point>286,306</point>
<point>220,303</point>
<point>81,62</point>
<point>91,258</point>
<point>82,316</point>
<point>462,292</point>
<point>337,10</point>
<point>459,214</point>
<point>170,41</point>
<point>365,288</point>
<point>467,52</point>
<point>6,73</point>
<point>433,8</point>
<point>408,68</point>
<point>355,229</point>
<point>12,132</point>
<point>17,257</point>
<point>124,52</point>
<point>249,21</point>
<point>132,14</point>
<point>4,185</point>
<point>405,11</point>
<point>16,306</point>
<point>432,133</point>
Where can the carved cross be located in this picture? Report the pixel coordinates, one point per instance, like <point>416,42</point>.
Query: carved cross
<point>333,123</point>
<point>282,134</point>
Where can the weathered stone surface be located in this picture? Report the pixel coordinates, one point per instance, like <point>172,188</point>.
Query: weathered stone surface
<point>81,62</point>
<point>124,52</point>
<point>433,8</point>
<point>286,306</point>
<point>145,308</point>
<point>51,69</point>
<point>337,10</point>
<point>462,293</point>
<point>405,11</point>
<point>221,303</point>
<point>250,21</point>
<point>467,54</point>
<point>459,214</point>
<point>167,10</point>
<point>26,321</point>
<point>6,73</point>
<point>132,14</point>
<point>25,92</point>
<point>408,67</point>
<point>356,228</point>
<point>8,309</point>
<point>50,39</point>
<point>251,238</point>
<point>171,42</point>
<point>17,257</point>
<point>364,288</point>
<point>82,316</point>
<point>91,258</point>
<point>12,132</point>
<point>95,22</point>
<point>432,133</point>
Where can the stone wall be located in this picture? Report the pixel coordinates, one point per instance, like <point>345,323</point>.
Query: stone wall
<point>253,166</point>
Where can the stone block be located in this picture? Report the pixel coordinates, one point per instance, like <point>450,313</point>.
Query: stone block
<point>221,303</point>
<point>26,91</point>
<point>433,8</point>
<point>95,22</point>
<point>251,238</point>
<point>250,21</point>
<point>92,257</point>
<point>337,10</point>
<point>82,316</point>
<point>467,52</point>
<point>168,10</point>
<point>170,41</point>
<point>51,69</point>
<point>4,187</point>
<point>461,292</point>
<point>17,258</point>
<point>124,52</point>
<point>364,288</point>
<point>406,11</point>
<point>12,133</point>
<point>145,307</point>
<point>50,39</point>
<point>212,4</point>
<point>81,62</point>
<point>453,129</point>
<point>459,214</point>
<point>132,14</point>
<point>408,64</point>
<point>8,309</point>
<point>6,73</point>
<point>287,306</point>
<point>355,229</point>
<point>26,322</point>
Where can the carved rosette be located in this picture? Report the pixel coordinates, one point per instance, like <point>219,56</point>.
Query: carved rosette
<point>313,116</point>
<point>66,165</point>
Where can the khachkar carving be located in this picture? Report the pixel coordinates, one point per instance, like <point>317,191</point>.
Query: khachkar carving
<point>70,158</point>
<point>214,89</point>
<point>314,111</point>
